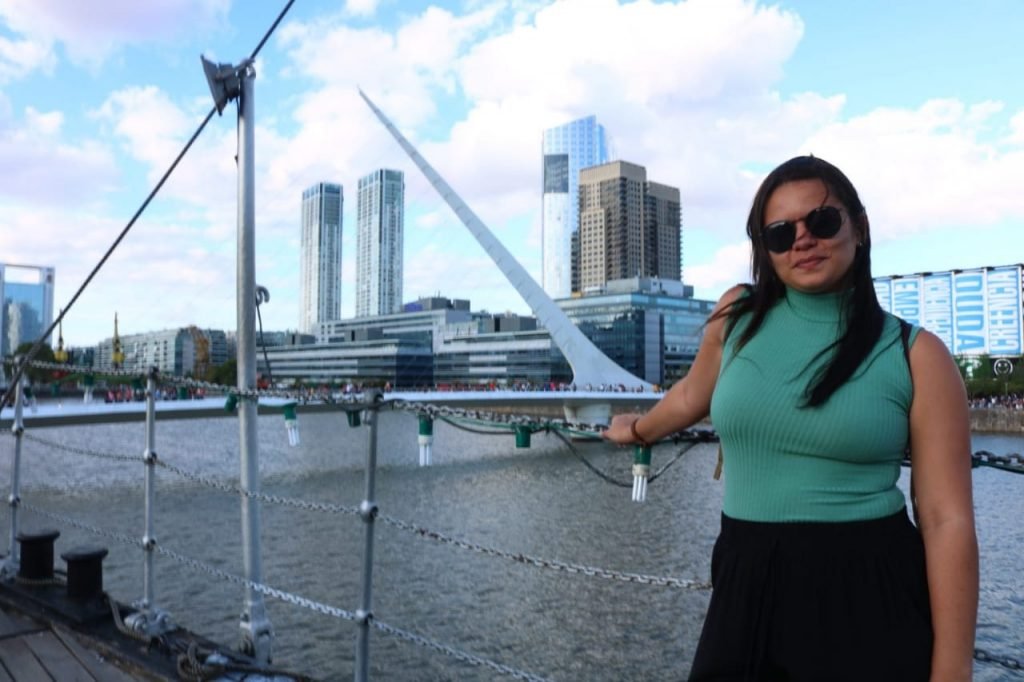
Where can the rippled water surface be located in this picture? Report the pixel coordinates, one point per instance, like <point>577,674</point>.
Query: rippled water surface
<point>540,502</point>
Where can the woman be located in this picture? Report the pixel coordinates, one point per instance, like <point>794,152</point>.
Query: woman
<point>816,393</point>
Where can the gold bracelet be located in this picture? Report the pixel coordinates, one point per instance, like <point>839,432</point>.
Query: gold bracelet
<point>636,436</point>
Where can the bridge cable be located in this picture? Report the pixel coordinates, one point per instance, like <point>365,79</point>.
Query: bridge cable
<point>124,232</point>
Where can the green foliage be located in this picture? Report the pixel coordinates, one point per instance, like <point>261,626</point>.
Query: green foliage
<point>45,354</point>
<point>225,375</point>
<point>981,380</point>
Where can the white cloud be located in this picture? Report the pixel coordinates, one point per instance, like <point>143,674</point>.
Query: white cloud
<point>730,265</point>
<point>18,58</point>
<point>926,168</point>
<point>91,31</point>
<point>361,8</point>
<point>34,159</point>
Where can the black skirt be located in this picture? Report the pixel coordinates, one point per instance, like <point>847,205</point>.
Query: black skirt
<point>817,601</point>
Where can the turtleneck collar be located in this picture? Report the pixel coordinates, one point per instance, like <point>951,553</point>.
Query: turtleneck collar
<point>824,307</point>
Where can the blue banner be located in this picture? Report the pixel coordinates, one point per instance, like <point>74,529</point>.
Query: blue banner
<point>883,290</point>
<point>938,307</point>
<point>970,331</point>
<point>1004,311</point>
<point>906,298</point>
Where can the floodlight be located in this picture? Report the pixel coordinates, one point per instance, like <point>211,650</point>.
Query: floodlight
<point>223,81</point>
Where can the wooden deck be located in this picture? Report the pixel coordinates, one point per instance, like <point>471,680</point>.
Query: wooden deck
<point>31,651</point>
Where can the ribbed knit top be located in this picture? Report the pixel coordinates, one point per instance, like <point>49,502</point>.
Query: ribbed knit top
<point>836,462</point>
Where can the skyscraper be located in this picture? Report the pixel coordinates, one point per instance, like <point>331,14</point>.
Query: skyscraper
<point>566,149</point>
<point>320,267</point>
<point>629,227</point>
<point>379,221</point>
<point>26,295</point>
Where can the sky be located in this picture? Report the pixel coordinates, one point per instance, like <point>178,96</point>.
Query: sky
<point>920,103</point>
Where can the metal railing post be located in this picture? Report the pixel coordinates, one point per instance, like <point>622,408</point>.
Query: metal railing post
<point>256,632</point>
<point>11,564</point>
<point>149,620</point>
<point>368,512</point>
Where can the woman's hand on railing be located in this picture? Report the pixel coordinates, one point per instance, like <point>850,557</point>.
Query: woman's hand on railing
<point>620,431</point>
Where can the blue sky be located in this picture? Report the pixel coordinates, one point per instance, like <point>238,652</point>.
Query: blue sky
<point>919,102</point>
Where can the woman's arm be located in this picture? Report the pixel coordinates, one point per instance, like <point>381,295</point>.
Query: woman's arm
<point>940,442</point>
<point>689,400</point>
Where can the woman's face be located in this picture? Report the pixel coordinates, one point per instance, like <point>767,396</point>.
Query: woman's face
<point>812,264</point>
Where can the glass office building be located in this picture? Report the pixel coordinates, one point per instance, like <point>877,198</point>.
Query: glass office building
<point>650,327</point>
<point>566,149</point>
<point>27,295</point>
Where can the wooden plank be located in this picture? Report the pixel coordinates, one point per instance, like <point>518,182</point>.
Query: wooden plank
<point>21,662</point>
<point>57,659</point>
<point>15,624</point>
<point>97,666</point>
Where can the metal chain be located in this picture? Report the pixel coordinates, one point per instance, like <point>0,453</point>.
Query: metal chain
<point>455,653</point>
<point>82,451</point>
<point>577,569</point>
<point>290,598</point>
<point>1013,462</point>
<point>1005,661</point>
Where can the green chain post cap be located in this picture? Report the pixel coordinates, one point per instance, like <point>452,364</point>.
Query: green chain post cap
<point>353,418</point>
<point>523,432</point>
<point>182,392</point>
<point>89,380</point>
<point>231,403</point>
<point>426,425</point>
<point>642,455</point>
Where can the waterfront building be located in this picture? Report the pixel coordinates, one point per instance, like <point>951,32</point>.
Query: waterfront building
<point>434,340</point>
<point>976,311</point>
<point>379,221</point>
<point>565,150</point>
<point>650,327</point>
<point>26,295</point>
<point>186,351</point>
<point>320,264</point>
<point>629,227</point>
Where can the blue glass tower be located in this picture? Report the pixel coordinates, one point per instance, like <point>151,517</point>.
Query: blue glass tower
<point>566,149</point>
<point>26,304</point>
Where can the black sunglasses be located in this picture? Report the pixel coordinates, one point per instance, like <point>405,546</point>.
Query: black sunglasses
<point>823,222</point>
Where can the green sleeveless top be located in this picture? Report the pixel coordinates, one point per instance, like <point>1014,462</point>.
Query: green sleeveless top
<point>836,462</point>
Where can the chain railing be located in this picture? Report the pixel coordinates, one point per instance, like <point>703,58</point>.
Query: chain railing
<point>288,597</point>
<point>486,423</point>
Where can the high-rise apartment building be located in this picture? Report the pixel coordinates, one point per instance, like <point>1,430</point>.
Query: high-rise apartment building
<point>320,267</point>
<point>629,227</point>
<point>379,221</point>
<point>566,150</point>
<point>26,295</point>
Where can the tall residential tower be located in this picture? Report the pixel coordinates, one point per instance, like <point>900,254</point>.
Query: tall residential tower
<point>320,268</point>
<point>629,227</point>
<point>566,150</point>
<point>379,221</point>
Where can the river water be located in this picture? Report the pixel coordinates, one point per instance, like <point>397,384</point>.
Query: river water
<point>540,502</point>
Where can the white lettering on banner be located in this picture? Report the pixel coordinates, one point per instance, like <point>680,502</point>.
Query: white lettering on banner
<point>938,307</point>
<point>1004,311</point>
<point>883,290</point>
<point>906,299</point>
<point>969,313</point>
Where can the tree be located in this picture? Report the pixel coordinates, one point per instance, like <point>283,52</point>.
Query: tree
<point>45,354</point>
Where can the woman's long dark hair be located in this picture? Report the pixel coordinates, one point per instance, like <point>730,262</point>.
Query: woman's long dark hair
<point>862,318</point>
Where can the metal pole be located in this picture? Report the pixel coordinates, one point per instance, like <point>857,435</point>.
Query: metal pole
<point>149,620</point>
<point>18,428</point>
<point>149,456</point>
<point>256,632</point>
<point>368,512</point>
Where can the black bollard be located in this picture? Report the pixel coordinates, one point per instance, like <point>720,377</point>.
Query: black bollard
<point>85,571</point>
<point>37,554</point>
